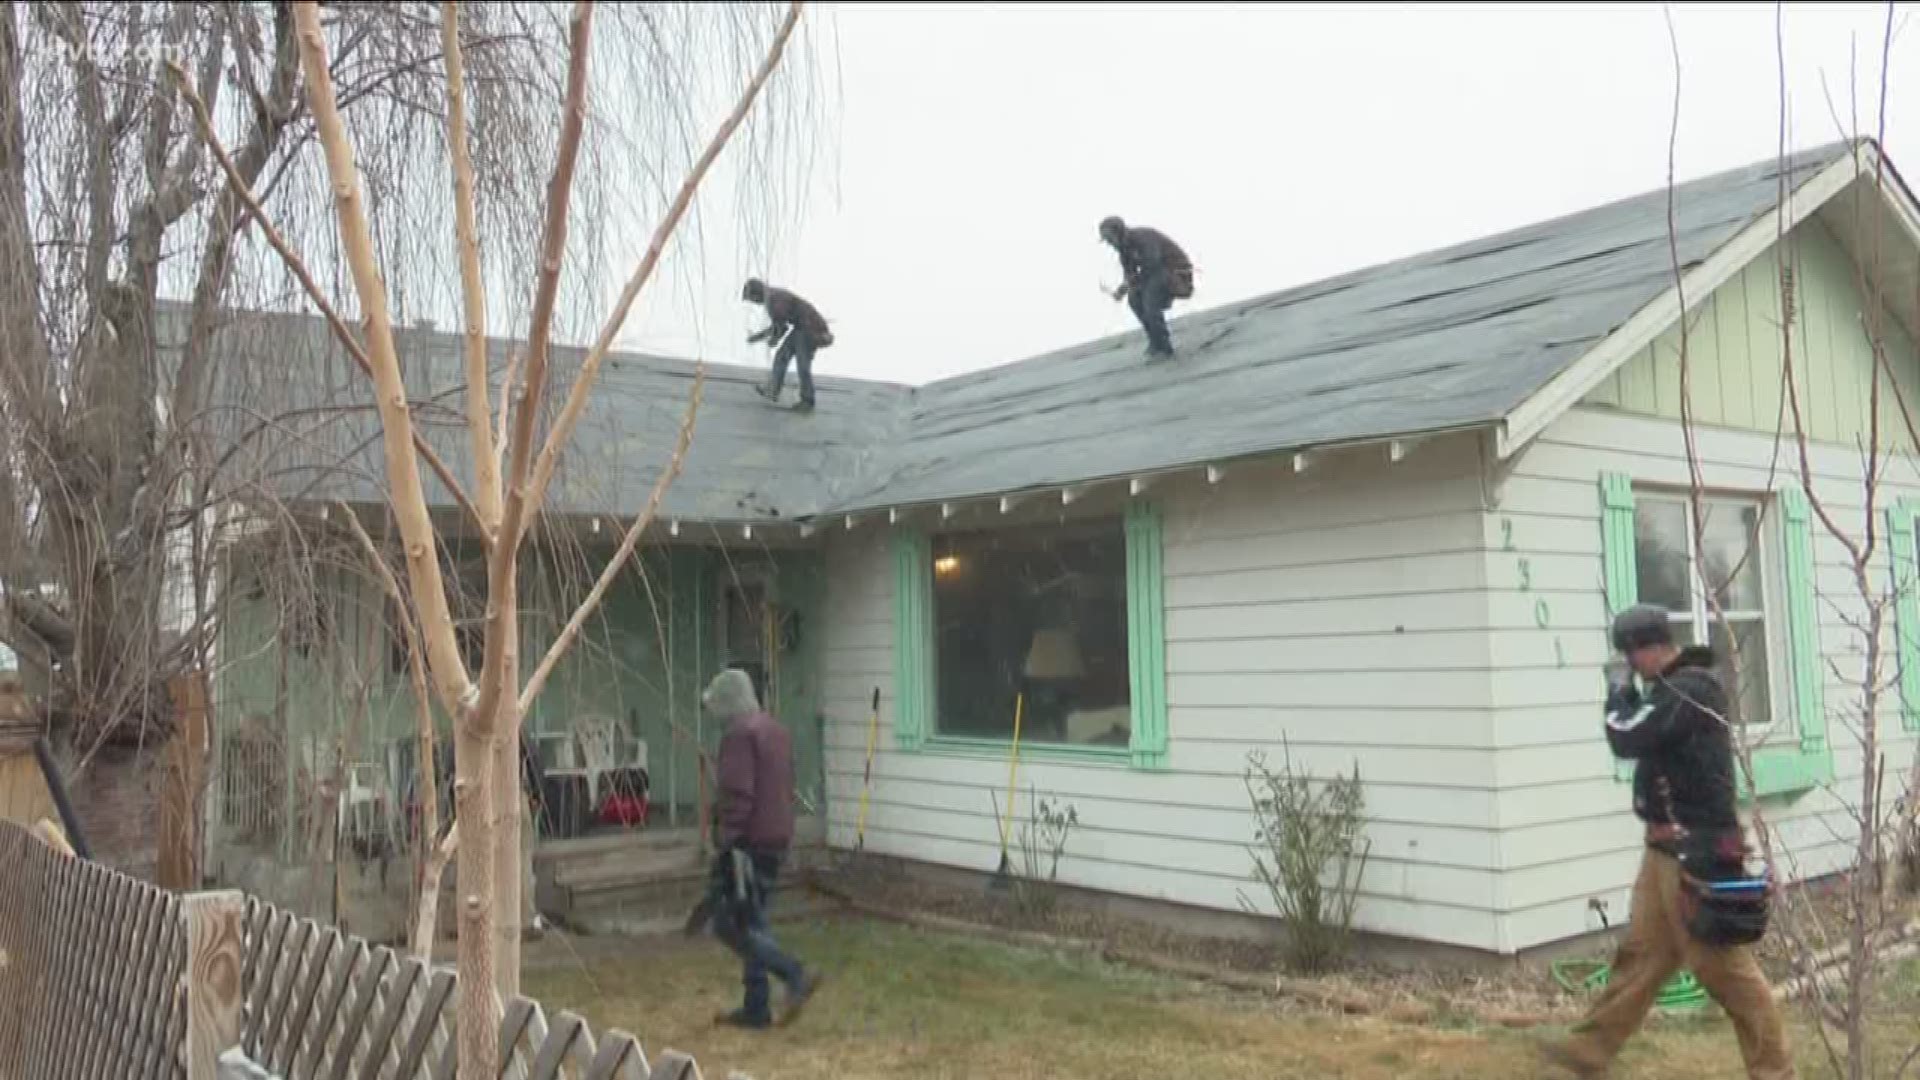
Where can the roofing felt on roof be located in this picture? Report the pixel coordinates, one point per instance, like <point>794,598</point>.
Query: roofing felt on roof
<point>1445,340</point>
<point>749,461</point>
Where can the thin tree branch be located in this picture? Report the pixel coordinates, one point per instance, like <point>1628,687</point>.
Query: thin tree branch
<point>472,286</point>
<point>298,268</point>
<point>422,942</point>
<point>625,551</point>
<point>589,368</point>
<point>383,365</point>
<point>501,596</point>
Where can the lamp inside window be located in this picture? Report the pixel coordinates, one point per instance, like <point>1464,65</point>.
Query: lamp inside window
<point>1033,619</point>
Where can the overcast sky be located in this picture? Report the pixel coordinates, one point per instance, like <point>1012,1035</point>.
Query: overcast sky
<point>975,147</point>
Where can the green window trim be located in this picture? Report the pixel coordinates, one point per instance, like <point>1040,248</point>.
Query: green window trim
<point>1146,636</point>
<point>1803,622</point>
<point>912,638</point>
<point>1622,578</point>
<point>914,669</point>
<point>1781,769</point>
<point>1906,617</point>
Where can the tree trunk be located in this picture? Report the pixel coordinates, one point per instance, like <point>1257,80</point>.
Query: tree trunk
<point>509,797</point>
<point>472,803</point>
<point>477,1037</point>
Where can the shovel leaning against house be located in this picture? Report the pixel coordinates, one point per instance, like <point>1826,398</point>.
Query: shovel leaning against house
<point>1003,876</point>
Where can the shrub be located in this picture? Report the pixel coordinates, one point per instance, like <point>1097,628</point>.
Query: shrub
<point>1310,850</point>
<point>1043,839</point>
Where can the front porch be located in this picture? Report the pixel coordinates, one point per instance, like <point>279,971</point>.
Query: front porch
<point>639,881</point>
<point>316,756</point>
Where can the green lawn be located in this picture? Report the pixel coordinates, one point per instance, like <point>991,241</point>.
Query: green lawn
<point>907,1004</point>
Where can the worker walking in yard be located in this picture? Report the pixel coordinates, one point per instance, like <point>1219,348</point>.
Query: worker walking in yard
<point>1155,273</point>
<point>756,791</point>
<point>1693,904</point>
<point>796,329</point>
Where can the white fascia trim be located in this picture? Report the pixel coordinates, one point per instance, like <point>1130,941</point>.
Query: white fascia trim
<point>1531,417</point>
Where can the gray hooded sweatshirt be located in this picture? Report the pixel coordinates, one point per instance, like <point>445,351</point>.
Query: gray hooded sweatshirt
<point>756,768</point>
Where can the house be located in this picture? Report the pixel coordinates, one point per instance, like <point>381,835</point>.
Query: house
<point>1383,517</point>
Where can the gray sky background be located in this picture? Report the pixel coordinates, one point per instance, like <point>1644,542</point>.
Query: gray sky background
<point>973,148</point>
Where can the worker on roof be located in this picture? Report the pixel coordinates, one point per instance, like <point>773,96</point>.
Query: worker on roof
<point>796,329</point>
<point>1155,273</point>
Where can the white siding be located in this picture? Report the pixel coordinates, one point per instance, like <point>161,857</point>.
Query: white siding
<point>1567,834</point>
<point>1345,608</point>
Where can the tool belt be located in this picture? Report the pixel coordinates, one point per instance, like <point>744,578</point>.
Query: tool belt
<point>1720,903</point>
<point>1727,912</point>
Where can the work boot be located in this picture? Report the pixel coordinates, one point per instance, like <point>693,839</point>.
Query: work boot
<point>798,997</point>
<point>1561,1055</point>
<point>741,1018</point>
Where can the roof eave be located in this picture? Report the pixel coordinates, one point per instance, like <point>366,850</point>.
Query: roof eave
<point>1397,446</point>
<point>1525,421</point>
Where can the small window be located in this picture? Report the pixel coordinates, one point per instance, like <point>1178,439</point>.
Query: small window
<point>1731,550</point>
<point>745,610</point>
<point>1035,620</point>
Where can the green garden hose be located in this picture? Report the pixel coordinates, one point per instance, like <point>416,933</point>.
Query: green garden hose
<point>1683,993</point>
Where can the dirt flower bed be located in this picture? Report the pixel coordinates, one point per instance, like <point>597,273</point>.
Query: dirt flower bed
<point>1508,994</point>
<point>1515,994</point>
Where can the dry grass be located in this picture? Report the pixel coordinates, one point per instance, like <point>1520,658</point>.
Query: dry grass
<point>906,1004</point>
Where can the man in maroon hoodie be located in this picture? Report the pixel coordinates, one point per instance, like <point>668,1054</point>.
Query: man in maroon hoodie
<point>755,830</point>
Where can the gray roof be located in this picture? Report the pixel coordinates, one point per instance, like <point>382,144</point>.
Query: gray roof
<point>749,461</point>
<point>1441,341</point>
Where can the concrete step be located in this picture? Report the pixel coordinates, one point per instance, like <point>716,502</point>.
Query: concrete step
<point>629,868</point>
<point>626,840</point>
<point>662,909</point>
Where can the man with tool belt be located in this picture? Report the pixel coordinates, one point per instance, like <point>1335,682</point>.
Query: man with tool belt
<point>1683,790</point>
<point>1154,273</point>
<point>796,329</point>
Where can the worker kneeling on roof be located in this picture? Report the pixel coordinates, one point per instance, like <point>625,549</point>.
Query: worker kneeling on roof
<point>1694,905</point>
<point>1155,273</point>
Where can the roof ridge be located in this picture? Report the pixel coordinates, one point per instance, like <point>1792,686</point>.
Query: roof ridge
<point>1795,161</point>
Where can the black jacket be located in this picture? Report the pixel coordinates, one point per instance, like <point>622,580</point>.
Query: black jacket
<point>787,309</point>
<point>1685,773</point>
<point>1144,252</point>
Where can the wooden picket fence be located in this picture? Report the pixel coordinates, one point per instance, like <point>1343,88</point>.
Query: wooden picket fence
<point>95,968</point>
<point>104,976</point>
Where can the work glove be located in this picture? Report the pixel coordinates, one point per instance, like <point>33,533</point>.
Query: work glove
<point>1623,700</point>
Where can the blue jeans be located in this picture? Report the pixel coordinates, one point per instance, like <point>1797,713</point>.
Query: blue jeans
<point>748,934</point>
<point>1150,299</point>
<point>797,348</point>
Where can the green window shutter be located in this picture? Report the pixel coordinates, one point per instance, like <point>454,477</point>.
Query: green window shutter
<point>1146,636</point>
<point>912,638</point>
<point>1622,580</point>
<point>1803,622</point>
<point>1906,579</point>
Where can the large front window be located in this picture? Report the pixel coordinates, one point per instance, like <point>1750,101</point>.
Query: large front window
<point>1032,620</point>
<point>1679,568</point>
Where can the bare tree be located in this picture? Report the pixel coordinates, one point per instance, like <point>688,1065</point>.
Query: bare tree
<point>1836,979</point>
<point>127,203</point>
<point>487,705</point>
